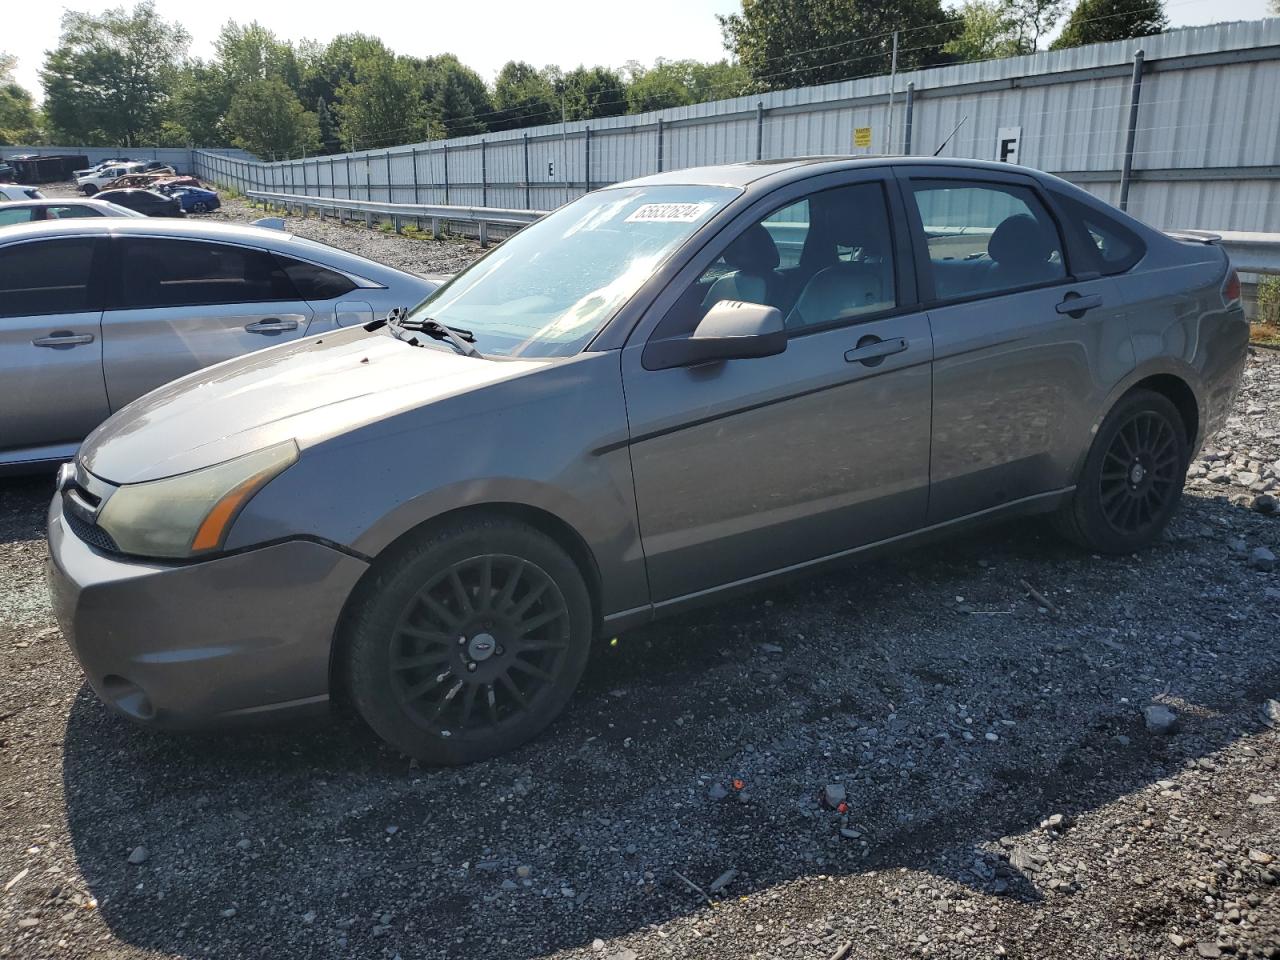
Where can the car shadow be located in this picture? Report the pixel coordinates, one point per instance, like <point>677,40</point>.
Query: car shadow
<point>956,713</point>
<point>22,506</point>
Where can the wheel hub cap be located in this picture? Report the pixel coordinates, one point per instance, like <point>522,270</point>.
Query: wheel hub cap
<point>481,647</point>
<point>1136,474</point>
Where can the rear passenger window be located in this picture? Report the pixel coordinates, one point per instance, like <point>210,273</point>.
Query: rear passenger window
<point>181,273</point>
<point>1117,248</point>
<point>313,282</point>
<point>72,212</point>
<point>10,216</point>
<point>51,276</point>
<point>987,239</point>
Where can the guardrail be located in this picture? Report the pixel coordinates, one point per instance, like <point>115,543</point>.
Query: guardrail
<point>438,215</point>
<point>1252,252</point>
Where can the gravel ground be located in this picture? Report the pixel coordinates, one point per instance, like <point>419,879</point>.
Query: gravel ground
<point>1005,792</point>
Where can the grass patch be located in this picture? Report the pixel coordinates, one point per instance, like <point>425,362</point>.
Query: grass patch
<point>1266,325</point>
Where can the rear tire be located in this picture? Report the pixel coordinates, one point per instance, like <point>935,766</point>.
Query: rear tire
<point>469,641</point>
<point>90,189</point>
<point>199,207</point>
<point>1132,478</point>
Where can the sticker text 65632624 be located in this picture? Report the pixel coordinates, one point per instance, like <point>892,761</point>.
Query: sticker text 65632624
<point>668,212</point>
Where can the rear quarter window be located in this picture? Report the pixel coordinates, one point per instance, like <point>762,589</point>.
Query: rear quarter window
<point>314,282</point>
<point>1114,247</point>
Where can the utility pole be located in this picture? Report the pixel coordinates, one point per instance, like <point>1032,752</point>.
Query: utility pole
<point>893,77</point>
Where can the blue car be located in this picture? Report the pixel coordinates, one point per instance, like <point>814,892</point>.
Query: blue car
<point>195,199</point>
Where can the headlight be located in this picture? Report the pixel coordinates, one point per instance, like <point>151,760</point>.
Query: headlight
<point>190,514</point>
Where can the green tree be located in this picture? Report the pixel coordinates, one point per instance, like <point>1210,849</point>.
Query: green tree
<point>18,120</point>
<point>455,109</point>
<point>458,94</point>
<point>1034,20</point>
<point>198,101</point>
<point>252,52</point>
<point>591,92</point>
<point>1097,21</point>
<point>790,43</point>
<point>267,119</point>
<point>987,30</point>
<point>325,68</point>
<point>523,96</point>
<point>675,83</point>
<point>108,80</point>
<point>383,104</point>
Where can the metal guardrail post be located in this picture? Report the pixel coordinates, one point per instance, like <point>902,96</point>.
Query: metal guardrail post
<point>483,229</point>
<point>1135,95</point>
<point>484,178</point>
<point>911,105</point>
<point>527,201</point>
<point>659,144</point>
<point>759,129</point>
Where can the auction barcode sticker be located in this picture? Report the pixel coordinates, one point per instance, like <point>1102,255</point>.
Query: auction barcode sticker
<point>668,212</point>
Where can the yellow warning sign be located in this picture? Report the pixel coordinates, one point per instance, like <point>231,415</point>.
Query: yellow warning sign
<point>862,136</point>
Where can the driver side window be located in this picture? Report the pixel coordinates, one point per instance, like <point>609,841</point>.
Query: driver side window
<point>822,261</point>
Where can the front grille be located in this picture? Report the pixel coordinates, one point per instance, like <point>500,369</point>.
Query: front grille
<point>90,533</point>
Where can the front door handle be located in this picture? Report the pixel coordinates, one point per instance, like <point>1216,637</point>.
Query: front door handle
<point>871,350</point>
<point>1074,305</point>
<point>271,325</point>
<point>62,338</point>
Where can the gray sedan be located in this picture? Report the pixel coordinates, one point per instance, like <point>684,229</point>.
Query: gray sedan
<point>33,211</point>
<point>664,393</point>
<point>96,312</point>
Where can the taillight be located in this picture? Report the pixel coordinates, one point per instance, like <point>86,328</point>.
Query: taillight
<point>1231,289</point>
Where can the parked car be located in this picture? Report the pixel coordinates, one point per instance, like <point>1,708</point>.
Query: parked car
<point>7,173</point>
<point>193,199</point>
<point>17,191</point>
<point>633,406</point>
<point>91,184</point>
<point>101,165</point>
<point>30,211</point>
<point>152,203</point>
<point>155,166</point>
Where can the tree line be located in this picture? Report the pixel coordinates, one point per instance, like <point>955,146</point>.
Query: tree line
<point>123,77</point>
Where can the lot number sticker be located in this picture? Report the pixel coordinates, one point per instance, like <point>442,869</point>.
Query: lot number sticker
<point>668,212</point>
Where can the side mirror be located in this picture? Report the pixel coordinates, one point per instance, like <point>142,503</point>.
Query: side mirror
<point>731,330</point>
<point>271,223</point>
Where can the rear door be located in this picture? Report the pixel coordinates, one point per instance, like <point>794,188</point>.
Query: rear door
<point>50,342</point>
<point>1026,338</point>
<point>179,305</point>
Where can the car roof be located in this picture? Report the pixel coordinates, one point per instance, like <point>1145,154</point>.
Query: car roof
<point>119,190</point>
<point>751,171</point>
<point>58,202</point>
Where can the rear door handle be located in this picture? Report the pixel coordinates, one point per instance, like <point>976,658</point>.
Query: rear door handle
<point>62,338</point>
<point>871,350</point>
<point>1074,305</point>
<point>271,325</point>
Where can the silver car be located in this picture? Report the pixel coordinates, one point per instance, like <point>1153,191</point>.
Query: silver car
<point>661,394</point>
<point>34,211</point>
<point>96,312</point>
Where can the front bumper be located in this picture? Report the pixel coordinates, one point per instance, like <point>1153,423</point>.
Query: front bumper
<point>193,645</point>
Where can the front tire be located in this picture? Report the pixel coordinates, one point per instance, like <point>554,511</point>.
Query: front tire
<point>469,641</point>
<point>1132,478</point>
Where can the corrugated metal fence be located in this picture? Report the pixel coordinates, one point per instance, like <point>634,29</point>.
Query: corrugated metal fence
<point>180,158</point>
<point>1203,146</point>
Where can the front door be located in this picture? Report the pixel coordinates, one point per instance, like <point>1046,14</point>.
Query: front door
<point>750,466</point>
<point>183,304</point>
<point>50,346</point>
<point>1022,347</point>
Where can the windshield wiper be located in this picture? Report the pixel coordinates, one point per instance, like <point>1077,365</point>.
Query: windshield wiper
<point>460,339</point>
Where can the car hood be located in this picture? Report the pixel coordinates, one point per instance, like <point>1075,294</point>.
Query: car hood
<point>306,391</point>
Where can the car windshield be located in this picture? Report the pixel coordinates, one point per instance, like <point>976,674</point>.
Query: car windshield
<point>548,289</point>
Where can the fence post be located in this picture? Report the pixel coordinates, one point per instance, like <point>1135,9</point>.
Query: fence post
<point>350,196</point>
<point>659,144</point>
<point>911,103</point>
<point>586,159</point>
<point>1135,95</point>
<point>416,196</point>
<point>390,198</point>
<point>368,179</point>
<point>759,129</point>
<point>446,174</point>
<point>527,204</point>
<point>484,177</point>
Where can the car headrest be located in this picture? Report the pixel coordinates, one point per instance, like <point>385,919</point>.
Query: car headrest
<point>753,252</point>
<point>1020,239</point>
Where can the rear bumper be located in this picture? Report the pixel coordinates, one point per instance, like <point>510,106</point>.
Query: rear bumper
<point>202,644</point>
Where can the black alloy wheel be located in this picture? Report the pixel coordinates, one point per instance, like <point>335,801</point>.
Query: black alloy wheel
<point>1139,472</point>
<point>476,647</point>
<point>1132,478</point>
<point>467,639</point>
